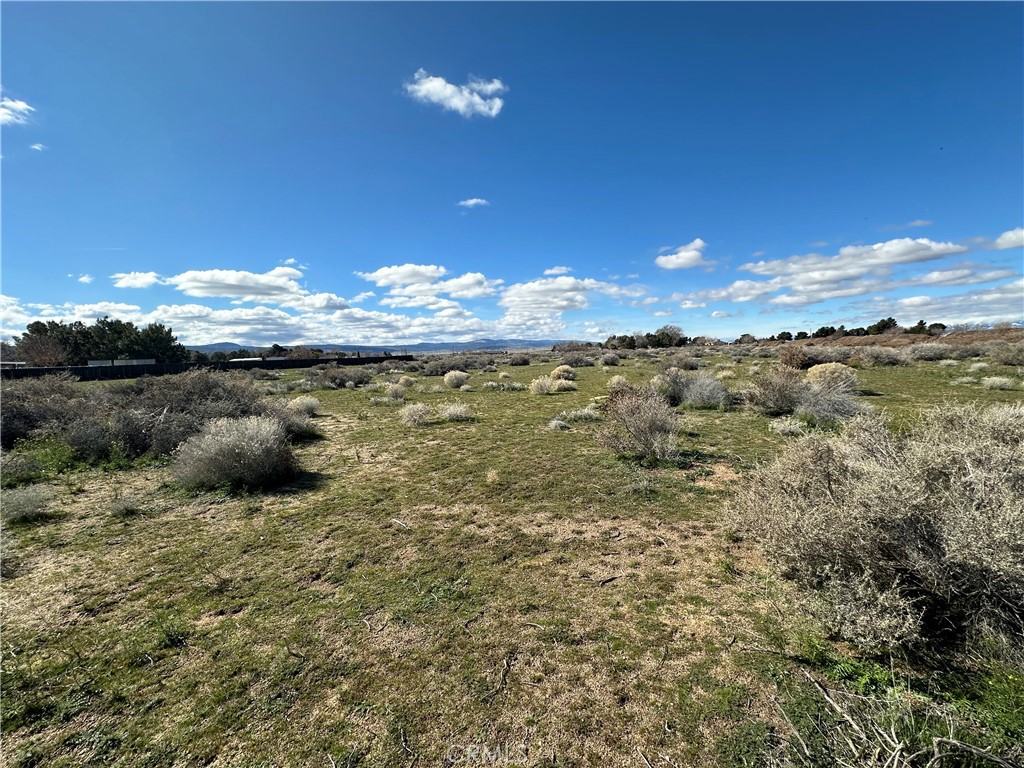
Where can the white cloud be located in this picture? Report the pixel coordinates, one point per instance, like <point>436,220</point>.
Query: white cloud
<point>476,97</point>
<point>962,276</point>
<point>135,279</point>
<point>37,147</point>
<point>558,271</point>
<point>426,302</point>
<point>1013,238</point>
<point>85,279</point>
<point>684,257</point>
<point>819,244</point>
<point>290,262</point>
<point>246,286</point>
<point>535,308</point>
<point>856,260</point>
<point>718,313</point>
<point>473,202</point>
<point>405,274</point>
<point>360,297</point>
<point>920,223</point>
<point>692,305</point>
<point>1001,303</point>
<point>14,111</point>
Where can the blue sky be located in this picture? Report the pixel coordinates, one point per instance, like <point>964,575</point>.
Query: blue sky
<point>393,173</point>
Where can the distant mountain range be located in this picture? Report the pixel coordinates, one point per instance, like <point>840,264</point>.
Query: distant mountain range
<point>426,346</point>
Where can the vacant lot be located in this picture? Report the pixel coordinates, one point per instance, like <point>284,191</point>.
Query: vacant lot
<point>476,589</point>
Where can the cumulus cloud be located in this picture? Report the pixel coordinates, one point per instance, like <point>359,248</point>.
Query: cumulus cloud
<point>14,111</point>
<point>719,313</point>
<point>558,271</point>
<point>85,279</point>
<point>1001,303</point>
<point>535,307</point>
<point>692,305</point>
<point>856,260</point>
<point>1013,238</point>
<point>241,284</point>
<point>476,97</point>
<point>135,279</point>
<point>684,257</point>
<point>404,274</point>
<point>473,202</point>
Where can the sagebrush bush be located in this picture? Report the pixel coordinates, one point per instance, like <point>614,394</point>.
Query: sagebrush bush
<point>542,385</point>
<point>306,404</point>
<point>787,425</point>
<point>298,424</point>
<point>576,360</point>
<point>930,351</point>
<point>415,414</point>
<point>564,372</point>
<point>455,379</point>
<point>834,375</point>
<point>640,422</point>
<point>455,411</point>
<point>242,453</point>
<point>975,367</point>
<point>900,536</point>
<point>1005,352</point>
<point>564,385</point>
<point>31,404</point>
<point>557,425</point>
<point>997,382</point>
<point>777,391</point>
<point>26,505</point>
<point>949,363</point>
<point>589,413</point>
<point>878,356</point>
<point>826,403</point>
<point>609,359</point>
<point>617,382</point>
<point>519,360</point>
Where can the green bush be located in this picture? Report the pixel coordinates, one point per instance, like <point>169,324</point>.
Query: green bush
<point>246,453</point>
<point>899,537</point>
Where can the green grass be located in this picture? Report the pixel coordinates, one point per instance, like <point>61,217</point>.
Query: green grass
<point>488,583</point>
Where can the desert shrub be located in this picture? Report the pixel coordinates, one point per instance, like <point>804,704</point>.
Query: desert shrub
<point>997,382</point>
<point>803,358</point>
<point>556,425</point>
<point>827,402</point>
<point>639,422</point>
<point>504,375</point>
<point>30,404</point>
<point>519,360</point>
<point>787,425</point>
<point>406,381</point>
<point>89,438</point>
<point>930,351</point>
<point>298,424</point>
<point>455,379</point>
<point>963,380</point>
<point>242,453</point>
<point>777,391</point>
<point>834,376</point>
<point>1005,352</point>
<point>610,359</point>
<point>576,360</point>
<point>26,505</point>
<point>975,367</point>
<point>564,372</point>
<point>696,390</point>
<point>901,536</point>
<point>306,404</point>
<point>880,356</point>
<point>395,392</point>
<point>415,414</point>
<point>949,363</point>
<point>617,382</point>
<point>967,351</point>
<point>564,385</point>
<point>439,366</point>
<point>683,361</point>
<point>17,469</point>
<point>542,385</point>
<point>491,385</point>
<point>589,413</point>
<point>455,411</point>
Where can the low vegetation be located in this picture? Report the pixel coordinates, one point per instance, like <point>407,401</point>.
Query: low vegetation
<point>804,566</point>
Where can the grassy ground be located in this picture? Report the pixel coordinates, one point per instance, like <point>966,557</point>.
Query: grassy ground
<point>449,594</point>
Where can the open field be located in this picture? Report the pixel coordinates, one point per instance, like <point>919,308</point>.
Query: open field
<point>464,592</point>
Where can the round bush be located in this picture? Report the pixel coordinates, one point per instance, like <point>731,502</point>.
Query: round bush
<point>246,453</point>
